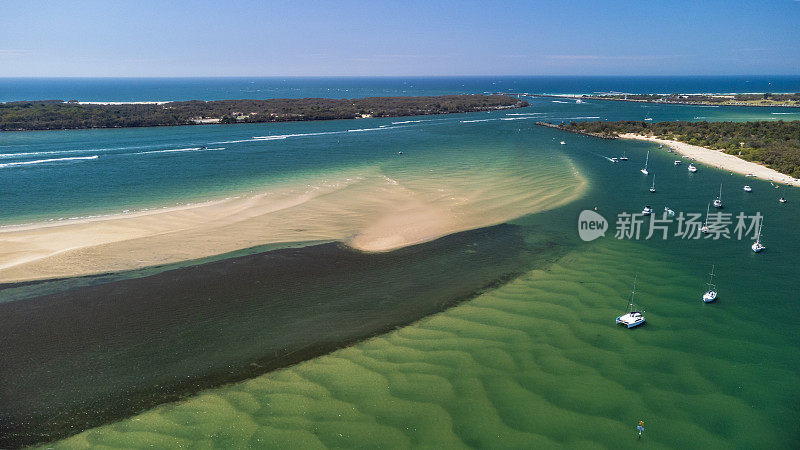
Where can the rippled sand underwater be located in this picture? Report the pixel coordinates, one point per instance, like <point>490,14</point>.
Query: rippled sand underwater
<point>537,363</point>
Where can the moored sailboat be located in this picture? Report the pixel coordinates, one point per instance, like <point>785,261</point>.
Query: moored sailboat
<point>705,228</point>
<point>757,245</point>
<point>711,294</point>
<point>718,200</point>
<point>631,318</point>
<point>646,159</point>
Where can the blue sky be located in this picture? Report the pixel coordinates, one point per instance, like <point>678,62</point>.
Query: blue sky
<point>349,38</point>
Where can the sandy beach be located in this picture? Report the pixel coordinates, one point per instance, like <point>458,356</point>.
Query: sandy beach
<point>368,211</point>
<point>719,159</point>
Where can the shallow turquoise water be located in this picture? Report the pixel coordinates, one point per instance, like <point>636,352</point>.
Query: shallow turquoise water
<point>125,169</point>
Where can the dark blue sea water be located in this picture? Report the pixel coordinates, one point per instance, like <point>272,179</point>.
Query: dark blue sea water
<point>163,89</point>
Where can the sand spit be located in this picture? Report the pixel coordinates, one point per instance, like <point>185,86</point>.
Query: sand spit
<point>369,210</point>
<point>719,159</point>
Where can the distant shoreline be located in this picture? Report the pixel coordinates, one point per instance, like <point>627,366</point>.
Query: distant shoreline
<point>70,115</point>
<point>680,99</point>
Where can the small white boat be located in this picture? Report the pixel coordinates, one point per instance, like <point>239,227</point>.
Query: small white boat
<point>399,153</point>
<point>647,210</point>
<point>678,163</point>
<point>613,160</point>
<point>631,318</point>
<point>757,245</point>
<point>579,101</point>
<point>647,158</point>
<point>711,294</point>
<point>747,188</point>
<point>669,211</point>
<point>653,187</point>
<point>705,228</point>
<point>692,168</point>
<point>623,157</point>
<point>718,200</point>
<point>648,119</point>
<point>782,200</point>
<point>563,143</point>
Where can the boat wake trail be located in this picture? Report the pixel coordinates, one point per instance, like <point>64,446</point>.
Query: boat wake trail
<point>178,150</point>
<point>43,161</point>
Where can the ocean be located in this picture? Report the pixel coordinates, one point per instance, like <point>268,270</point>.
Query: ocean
<point>498,335</point>
<point>173,89</point>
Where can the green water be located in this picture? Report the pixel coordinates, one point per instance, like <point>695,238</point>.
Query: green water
<point>536,363</point>
<point>539,362</point>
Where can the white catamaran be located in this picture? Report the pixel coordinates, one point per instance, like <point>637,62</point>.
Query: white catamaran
<point>757,245</point>
<point>631,318</point>
<point>718,200</point>
<point>711,294</point>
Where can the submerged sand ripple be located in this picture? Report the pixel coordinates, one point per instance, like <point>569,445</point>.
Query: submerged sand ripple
<point>536,363</point>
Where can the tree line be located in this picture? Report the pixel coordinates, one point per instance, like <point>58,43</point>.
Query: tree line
<point>57,114</point>
<point>774,144</point>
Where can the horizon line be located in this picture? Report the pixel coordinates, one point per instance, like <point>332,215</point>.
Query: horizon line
<point>386,76</point>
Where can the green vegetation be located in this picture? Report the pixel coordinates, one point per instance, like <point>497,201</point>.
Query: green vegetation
<point>766,99</point>
<point>774,144</point>
<point>56,114</point>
